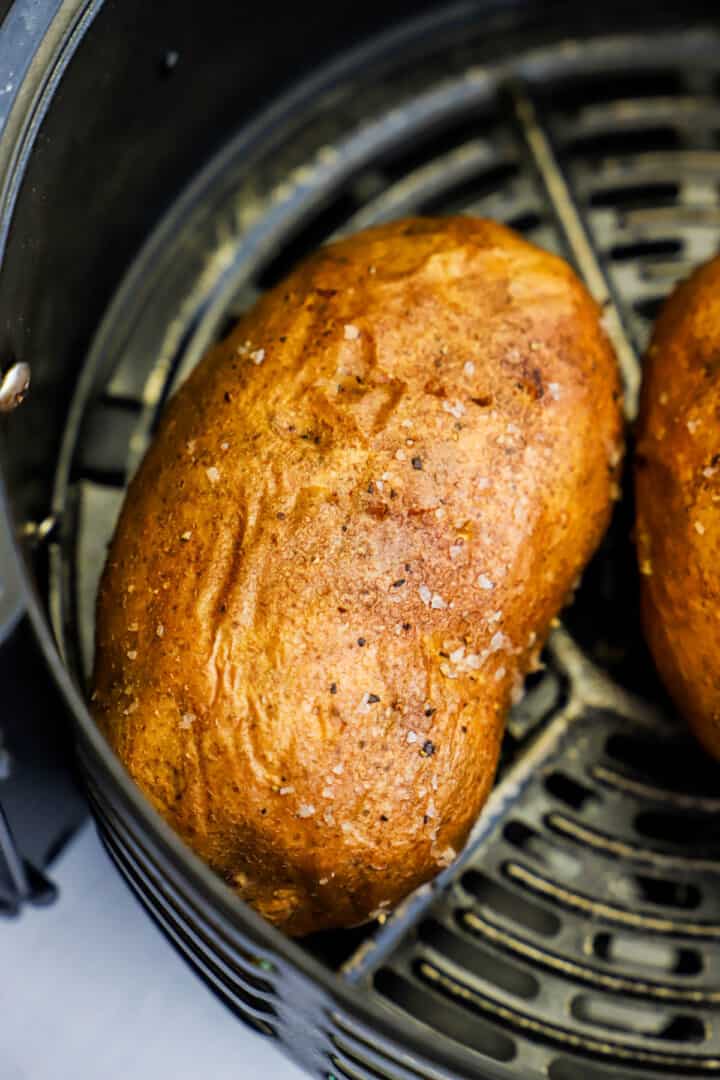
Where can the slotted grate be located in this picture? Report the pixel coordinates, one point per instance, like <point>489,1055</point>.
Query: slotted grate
<point>579,932</point>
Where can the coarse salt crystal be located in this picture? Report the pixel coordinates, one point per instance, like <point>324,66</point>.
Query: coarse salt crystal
<point>457,409</point>
<point>379,485</point>
<point>472,660</point>
<point>327,793</point>
<point>440,513</point>
<point>554,390</point>
<point>446,856</point>
<point>287,790</point>
<point>132,654</point>
<point>437,602</point>
<point>425,594</point>
<point>159,629</point>
<point>328,817</point>
<point>213,474</point>
<point>305,810</point>
<point>457,654</point>
<point>709,471</point>
<point>351,332</point>
<point>455,550</point>
<point>412,737</point>
<point>406,423</point>
<point>699,528</point>
<point>469,367</point>
<point>133,627</point>
<point>338,769</point>
<point>323,881</point>
<point>500,674</point>
<point>187,720</point>
<point>615,456</point>
<point>692,426</point>
<point>499,641</point>
<point>483,483</point>
<point>485,583</point>
<point>186,535</point>
<point>401,455</point>
<point>346,827</point>
<point>258,356</point>
<point>495,617</point>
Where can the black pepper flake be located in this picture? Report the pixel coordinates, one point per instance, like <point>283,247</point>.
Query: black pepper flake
<point>464,729</point>
<point>400,581</point>
<point>263,811</point>
<point>228,396</point>
<point>343,528</point>
<point>428,748</point>
<point>417,463</point>
<point>406,626</point>
<point>361,641</point>
<point>372,699</point>
<point>384,817</point>
<point>280,516</point>
<point>282,338</point>
<point>393,493</point>
<point>333,688</point>
<point>430,711</point>
<point>426,819</point>
<point>370,488</point>
<point>407,567</point>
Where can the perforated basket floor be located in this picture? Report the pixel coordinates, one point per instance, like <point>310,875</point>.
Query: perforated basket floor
<point>578,936</point>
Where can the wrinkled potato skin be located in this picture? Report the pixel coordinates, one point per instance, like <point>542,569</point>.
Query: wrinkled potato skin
<point>678,500</point>
<point>315,535</point>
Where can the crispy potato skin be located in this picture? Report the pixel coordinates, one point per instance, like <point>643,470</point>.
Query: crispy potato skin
<point>677,481</point>
<point>342,552</point>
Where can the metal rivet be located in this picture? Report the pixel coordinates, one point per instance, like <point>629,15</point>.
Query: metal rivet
<point>14,386</point>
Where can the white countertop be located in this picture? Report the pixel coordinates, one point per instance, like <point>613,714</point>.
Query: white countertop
<point>90,989</point>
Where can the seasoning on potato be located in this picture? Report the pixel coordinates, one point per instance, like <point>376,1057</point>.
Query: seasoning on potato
<point>677,481</point>
<point>343,551</point>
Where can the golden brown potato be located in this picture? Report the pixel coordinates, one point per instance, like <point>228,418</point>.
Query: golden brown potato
<point>343,551</point>
<point>678,500</point>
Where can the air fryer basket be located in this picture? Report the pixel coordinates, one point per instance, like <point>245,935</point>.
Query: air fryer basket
<point>578,935</point>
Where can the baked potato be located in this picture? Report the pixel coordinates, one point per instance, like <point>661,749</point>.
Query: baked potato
<point>677,482</point>
<point>343,551</point>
